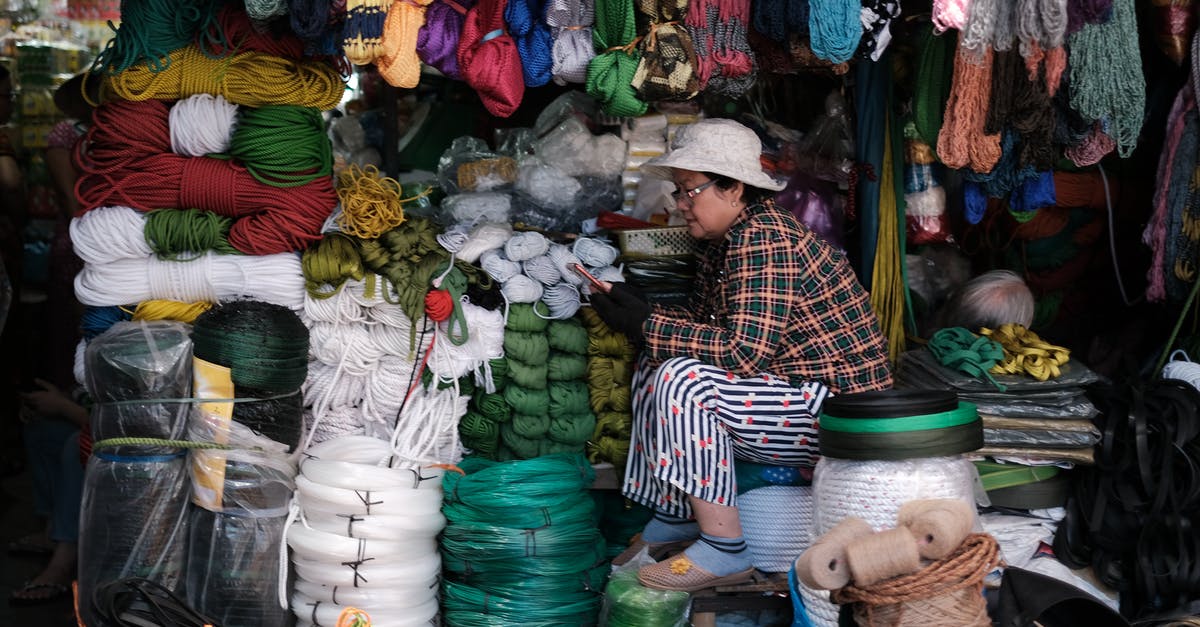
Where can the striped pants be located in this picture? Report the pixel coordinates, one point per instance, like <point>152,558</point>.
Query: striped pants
<point>691,420</point>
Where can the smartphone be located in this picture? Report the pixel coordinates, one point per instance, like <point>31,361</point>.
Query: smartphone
<point>597,283</point>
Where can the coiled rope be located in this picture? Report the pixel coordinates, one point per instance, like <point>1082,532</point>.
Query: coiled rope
<point>571,22</point>
<point>489,60</point>
<point>234,31</point>
<point>962,350</point>
<point>201,125</point>
<point>399,64</point>
<point>610,73</point>
<point>252,79</point>
<point>181,234</point>
<point>371,203</point>
<point>282,146</point>
<point>150,30</point>
<point>331,262</point>
<point>170,310</point>
<point>109,233</point>
<point>1026,353</point>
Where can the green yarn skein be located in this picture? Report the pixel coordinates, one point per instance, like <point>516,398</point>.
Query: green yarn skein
<point>568,398</point>
<point>520,446</point>
<point>524,375</point>
<point>532,426</point>
<point>566,367</point>
<point>478,433</point>
<point>523,400</point>
<point>572,429</point>
<point>568,336</point>
<point>521,317</point>
<point>529,348</point>
<point>492,406</point>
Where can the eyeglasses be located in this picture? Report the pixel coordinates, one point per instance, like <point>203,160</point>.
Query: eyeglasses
<point>692,193</point>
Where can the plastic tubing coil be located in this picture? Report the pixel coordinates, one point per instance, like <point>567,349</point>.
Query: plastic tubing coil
<point>421,570</point>
<point>323,546</point>
<point>326,614</point>
<point>405,502</point>
<point>382,527</point>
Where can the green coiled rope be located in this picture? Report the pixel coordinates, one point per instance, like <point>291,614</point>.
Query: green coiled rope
<point>566,367</point>
<point>281,145</point>
<point>568,336</point>
<point>527,347</point>
<point>521,317</point>
<point>962,350</point>
<point>330,262</point>
<point>531,426</point>
<point>527,376</point>
<point>151,29</point>
<point>173,232</point>
<point>571,430</point>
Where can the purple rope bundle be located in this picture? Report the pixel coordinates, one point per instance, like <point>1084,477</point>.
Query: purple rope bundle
<point>437,41</point>
<point>1080,12</point>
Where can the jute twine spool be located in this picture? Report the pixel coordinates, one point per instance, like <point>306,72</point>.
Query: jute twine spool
<point>883,555</point>
<point>823,565</point>
<point>947,592</point>
<point>939,525</point>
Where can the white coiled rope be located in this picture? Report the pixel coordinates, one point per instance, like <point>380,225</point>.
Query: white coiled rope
<point>427,431</point>
<point>542,269</point>
<point>485,342</point>
<point>526,245</point>
<point>1182,368</point>
<point>562,299</point>
<point>210,277</point>
<point>594,253</point>
<point>498,266</point>
<point>201,125</point>
<point>571,22</point>
<point>565,261</point>
<point>611,274</point>
<point>522,289</point>
<point>107,234</point>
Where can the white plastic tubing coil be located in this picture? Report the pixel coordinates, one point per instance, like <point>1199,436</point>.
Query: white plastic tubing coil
<point>366,534</point>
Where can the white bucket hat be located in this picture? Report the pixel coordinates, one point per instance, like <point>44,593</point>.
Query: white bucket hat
<point>719,146</point>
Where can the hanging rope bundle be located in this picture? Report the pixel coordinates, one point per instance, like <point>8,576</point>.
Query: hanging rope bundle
<point>282,146</point>
<point>950,14</point>
<point>210,277</point>
<point>1082,12</point>
<point>1026,353</point>
<point>437,39</point>
<point>249,78</point>
<point>371,203</point>
<point>363,32</point>
<point>233,31</point>
<point>330,263</point>
<point>834,29</point>
<point>488,58</point>
<point>1023,105</point>
<point>1106,76</point>
<point>201,125</point>
<point>109,233</point>
<point>888,292</point>
<point>399,64</point>
<point>610,73</point>
<point>724,62</point>
<point>777,20</point>
<point>668,68</point>
<point>571,23</point>
<point>533,39</point>
<point>263,10</point>
<point>151,30</point>
<point>962,141</point>
<point>181,234</point>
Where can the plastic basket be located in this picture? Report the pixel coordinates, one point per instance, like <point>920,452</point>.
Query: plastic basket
<point>656,242</point>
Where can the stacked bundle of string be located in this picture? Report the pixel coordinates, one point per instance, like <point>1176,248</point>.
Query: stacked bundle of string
<point>533,39</point>
<point>202,125</point>
<point>598,257</point>
<point>252,79</point>
<point>961,140</point>
<point>437,39</point>
<point>489,60</point>
<point>150,31</point>
<point>131,165</point>
<point>609,374</point>
<point>610,73</point>
<point>208,277</point>
<point>834,29</point>
<point>133,511</point>
<point>399,64</point>
<point>378,554</point>
<point>572,421</point>
<point>724,61</point>
<point>668,68</point>
<point>1106,76</point>
<point>371,202</point>
<point>570,22</point>
<point>282,146</point>
<point>527,356</point>
<point>520,544</point>
<point>170,310</point>
<point>362,33</point>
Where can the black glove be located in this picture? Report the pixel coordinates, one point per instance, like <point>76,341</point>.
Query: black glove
<point>624,309</point>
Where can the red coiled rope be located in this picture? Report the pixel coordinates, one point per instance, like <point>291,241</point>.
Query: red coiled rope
<point>488,59</point>
<point>123,133</point>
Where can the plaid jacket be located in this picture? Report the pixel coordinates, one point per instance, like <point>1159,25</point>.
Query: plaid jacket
<point>772,297</point>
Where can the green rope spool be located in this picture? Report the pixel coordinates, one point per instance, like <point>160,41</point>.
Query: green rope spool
<point>479,433</point>
<point>526,376</point>
<point>492,406</point>
<point>566,367</point>
<point>526,347</point>
<point>568,397</point>
<point>568,336</point>
<point>173,233</point>
<point>521,446</point>
<point>529,426</point>
<point>571,429</point>
<point>330,262</point>
<point>521,317</point>
<point>282,146</point>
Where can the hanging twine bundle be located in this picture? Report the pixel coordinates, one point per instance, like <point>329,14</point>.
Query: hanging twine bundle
<point>1092,149</point>
<point>1083,12</point>
<point>610,73</point>
<point>1041,25</point>
<point>778,20</point>
<point>282,146</point>
<point>399,64</point>
<point>170,310</point>
<point>668,66</point>
<point>834,29</point>
<point>571,22</point>
<point>151,30</point>
<point>314,20</point>
<point>252,79</point>
<point>962,141</point>
<point>331,262</point>
<point>533,39</point>
<point>990,26</point>
<point>437,39</point>
<point>371,203</point>
<point>724,62</point>
<point>263,10</point>
<point>1026,353</point>
<point>201,125</point>
<point>1106,76</point>
<point>1023,105</point>
<point>947,592</point>
<point>488,58</point>
<point>362,34</point>
<point>888,292</point>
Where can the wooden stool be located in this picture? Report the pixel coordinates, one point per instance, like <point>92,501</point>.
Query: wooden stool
<point>766,592</point>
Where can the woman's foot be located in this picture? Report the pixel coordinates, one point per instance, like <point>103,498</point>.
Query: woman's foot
<point>713,561</point>
<point>53,582</point>
<point>662,536</point>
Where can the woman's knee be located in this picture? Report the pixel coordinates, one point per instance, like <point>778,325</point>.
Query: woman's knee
<point>679,379</point>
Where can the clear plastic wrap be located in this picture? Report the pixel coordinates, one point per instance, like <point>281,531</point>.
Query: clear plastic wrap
<point>827,150</point>
<point>477,207</point>
<point>547,185</point>
<point>572,148</point>
<point>627,603</point>
<point>468,165</point>
<point>233,568</point>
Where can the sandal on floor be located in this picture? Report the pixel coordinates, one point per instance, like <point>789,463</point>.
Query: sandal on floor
<point>656,550</point>
<point>54,592</point>
<point>680,573</point>
<point>30,546</point>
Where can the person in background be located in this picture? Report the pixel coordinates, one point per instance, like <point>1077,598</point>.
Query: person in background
<point>12,221</point>
<point>776,323</point>
<point>989,300</point>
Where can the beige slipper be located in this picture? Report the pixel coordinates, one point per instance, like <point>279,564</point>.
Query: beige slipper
<point>680,573</point>
<point>656,550</point>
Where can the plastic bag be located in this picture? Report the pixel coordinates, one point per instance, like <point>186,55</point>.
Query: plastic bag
<point>827,151</point>
<point>547,185</point>
<point>476,207</point>
<point>468,165</point>
<point>628,603</point>
<point>817,205</point>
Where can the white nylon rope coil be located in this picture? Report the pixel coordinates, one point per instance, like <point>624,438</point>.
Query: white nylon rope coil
<point>201,125</point>
<point>210,277</point>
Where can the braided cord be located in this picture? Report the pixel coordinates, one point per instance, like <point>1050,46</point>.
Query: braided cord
<point>282,146</point>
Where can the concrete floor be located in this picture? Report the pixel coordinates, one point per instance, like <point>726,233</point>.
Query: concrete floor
<point>16,520</point>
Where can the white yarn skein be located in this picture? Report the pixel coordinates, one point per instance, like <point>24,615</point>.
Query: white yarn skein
<point>1182,368</point>
<point>485,237</point>
<point>542,269</point>
<point>562,299</point>
<point>107,234</point>
<point>571,21</point>
<point>484,342</point>
<point>565,261</point>
<point>453,238</point>
<point>498,266</point>
<point>202,124</point>
<point>521,289</point>
<point>526,245</point>
<point>594,253</point>
<point>275,279</point>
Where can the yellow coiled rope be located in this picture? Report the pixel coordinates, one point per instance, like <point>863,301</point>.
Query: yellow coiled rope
<point>1026,353</point>
<point>253,79</point>
<point>371,203</point>
<point>170,310</point>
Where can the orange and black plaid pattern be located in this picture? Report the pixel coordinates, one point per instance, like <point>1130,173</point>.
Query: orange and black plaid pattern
<point>772,297</point>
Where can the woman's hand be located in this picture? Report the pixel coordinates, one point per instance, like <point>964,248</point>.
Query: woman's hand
<point>624,309</point>
<point>51,402</point>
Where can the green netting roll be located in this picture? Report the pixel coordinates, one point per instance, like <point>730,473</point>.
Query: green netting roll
<point>500,543</point>
<point>566,366</point>
<point>568,336</point>
<point>526,347</point>
<point>531,426</point>
<point>568,397</point>
<point>571,429</point>
<point>526,376</point>
<point>627,603</point>
<point>521,317</point>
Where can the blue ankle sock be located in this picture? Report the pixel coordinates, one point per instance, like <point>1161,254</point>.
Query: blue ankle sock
<point>720,556</point>
<point>663,528</point>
